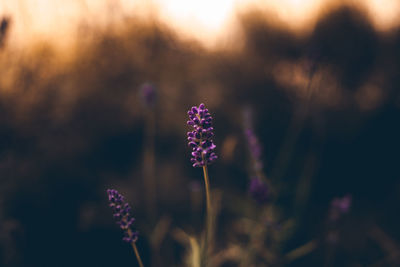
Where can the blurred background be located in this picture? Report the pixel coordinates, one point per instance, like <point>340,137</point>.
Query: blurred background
<point>94,95</point>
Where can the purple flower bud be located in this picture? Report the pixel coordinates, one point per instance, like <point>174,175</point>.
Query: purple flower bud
<point>148,94</point>
<point>122,215</point>
<point>200,138</point>
<point>259,190</point>
<point>340,206</point>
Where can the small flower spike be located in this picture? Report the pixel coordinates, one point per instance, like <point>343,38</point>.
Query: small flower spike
<point>200,139</point>
<point>259,190</point>
<point>122,214</point>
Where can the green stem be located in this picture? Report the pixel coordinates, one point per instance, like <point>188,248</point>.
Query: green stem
<point>137,254</point>
<point>209,213</point>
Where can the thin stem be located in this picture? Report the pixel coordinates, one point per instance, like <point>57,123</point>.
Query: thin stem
<point>209,212</point>
<point>149,166</point>
<point>137,254</point>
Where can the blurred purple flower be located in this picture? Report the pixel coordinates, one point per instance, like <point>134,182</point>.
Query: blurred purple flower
<point>122,215</point>
<point>148,94</point>
<point>340,206</point>
<point>200,139</point>
<point>259,190</point>
<point>255,149</point>
<point>253,144</point>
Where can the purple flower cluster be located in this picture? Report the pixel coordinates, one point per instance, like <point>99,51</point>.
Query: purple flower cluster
<point>200,139</point>
<point>259,190</point>
<point>121,211</point>
<point>340,206</point>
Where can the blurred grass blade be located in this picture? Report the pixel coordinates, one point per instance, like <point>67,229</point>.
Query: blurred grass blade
<point>195,252</point>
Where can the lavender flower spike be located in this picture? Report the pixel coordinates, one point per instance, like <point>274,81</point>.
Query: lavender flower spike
<point>122,211</point>
<point>200,139</point>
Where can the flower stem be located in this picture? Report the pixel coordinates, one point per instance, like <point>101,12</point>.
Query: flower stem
<point>149,166</point>
<point>137,254</point>
<point>209,213</point>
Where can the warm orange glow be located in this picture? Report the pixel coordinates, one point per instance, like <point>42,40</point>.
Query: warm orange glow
<point>384,13</point>
<point>205,20</point>
<point>210,14</point>
<point>295,13</point>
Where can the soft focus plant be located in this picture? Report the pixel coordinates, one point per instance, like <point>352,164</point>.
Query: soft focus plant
<point>258,186</point>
